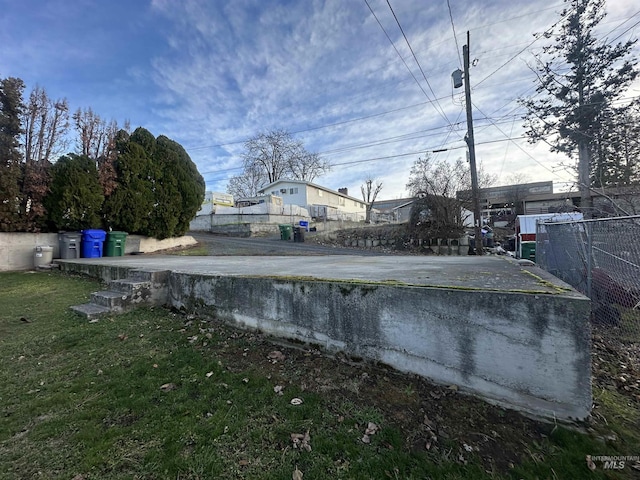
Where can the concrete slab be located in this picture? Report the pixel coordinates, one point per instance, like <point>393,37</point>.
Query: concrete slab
<point>511,334</point>
<point>474,273</point>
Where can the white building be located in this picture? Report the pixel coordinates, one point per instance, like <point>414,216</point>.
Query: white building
<point>211,199</point>
<point>321,202</point>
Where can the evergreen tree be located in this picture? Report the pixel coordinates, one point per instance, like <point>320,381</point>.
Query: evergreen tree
<point>75,199</point>
<point>616,148</point>
<point>159,188</point>
<point>11,107</point>
<point>130,204</point>
<point>183,185</point>
<point>569,107</point>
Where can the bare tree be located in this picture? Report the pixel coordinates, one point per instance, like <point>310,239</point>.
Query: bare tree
<point>444,190</point>
<point>45,123</point>
<point>275,155</point>
<point>444,179</point>
<point>518,193</point>
<point>307,166</point>
<point>247,184</point>
<point>370,191</point>
<point>95,135</point>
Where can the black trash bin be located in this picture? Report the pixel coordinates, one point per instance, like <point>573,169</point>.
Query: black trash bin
<point>69,243</point>
<point>298,234</point>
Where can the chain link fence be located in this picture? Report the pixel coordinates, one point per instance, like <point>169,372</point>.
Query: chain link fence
<point>601,259</point>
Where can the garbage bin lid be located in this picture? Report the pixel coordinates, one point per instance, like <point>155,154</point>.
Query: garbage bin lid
<point>94,234</point>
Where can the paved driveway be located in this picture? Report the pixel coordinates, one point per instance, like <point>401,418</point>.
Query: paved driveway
<point>234,246</point>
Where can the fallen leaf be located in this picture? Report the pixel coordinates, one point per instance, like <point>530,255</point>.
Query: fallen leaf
<point>155,365</point>
<point>590,464</point>
<point>167,387</point>
<point>208,374</point>
<point>245,380</point>
<point>453,387</point>
<point>243,463</point>
<point>297,474</point>
<point>122,337</point>
<point>427,421</point>
<point>276,356</point>
<point>296,401</point>
<point>301,441</point>
<point>372,428</point>
<point>365,439</point>
<point>278,389</point>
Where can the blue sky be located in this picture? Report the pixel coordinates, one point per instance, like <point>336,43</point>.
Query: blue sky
<point>212,73</point>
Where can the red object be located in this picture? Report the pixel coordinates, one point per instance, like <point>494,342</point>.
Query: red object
<point>528,237</point>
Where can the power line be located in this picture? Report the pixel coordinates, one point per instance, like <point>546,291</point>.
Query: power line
<point>519,147</point>
<point>400,155</point>
<point>327,125</point>
<point>405,63</point>
<point>455,38</point>
<point>416,60</point>
<point>620,25</point>
<point>631,27</point>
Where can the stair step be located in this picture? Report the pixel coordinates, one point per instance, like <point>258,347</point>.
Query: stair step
<point>110,299</point>
<point>154,276</point>
<point>90,310</point>
<point>130,287</point>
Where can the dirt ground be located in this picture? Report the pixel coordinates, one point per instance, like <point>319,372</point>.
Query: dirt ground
<point>434,418</point>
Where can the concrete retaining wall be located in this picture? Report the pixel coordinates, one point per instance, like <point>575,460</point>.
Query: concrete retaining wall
<point>242,223</point>
<point>523,351</point>
<point>17,249</point>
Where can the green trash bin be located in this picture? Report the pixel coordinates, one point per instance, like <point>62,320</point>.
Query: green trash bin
<point>285,231</point>
<point>529,251</point>
<point>115,244</point>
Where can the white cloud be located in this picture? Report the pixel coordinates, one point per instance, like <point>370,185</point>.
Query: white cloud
<point>209,73</point>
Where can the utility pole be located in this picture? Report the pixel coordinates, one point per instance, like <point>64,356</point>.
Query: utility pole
<point>475,190</point>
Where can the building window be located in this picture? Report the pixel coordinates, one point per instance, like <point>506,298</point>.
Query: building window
<point>319,192</point>
<point>283,191</point>
<point>293,190</point>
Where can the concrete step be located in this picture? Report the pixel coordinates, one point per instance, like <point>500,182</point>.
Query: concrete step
<point>129,286</point>
<point>110,299</point>
<point>90,310</point>
<point>153,276</point>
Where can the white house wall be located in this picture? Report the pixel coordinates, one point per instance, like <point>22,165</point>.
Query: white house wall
<point>306,195</point>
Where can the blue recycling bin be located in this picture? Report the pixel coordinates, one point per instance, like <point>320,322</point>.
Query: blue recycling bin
<point>92,242</point>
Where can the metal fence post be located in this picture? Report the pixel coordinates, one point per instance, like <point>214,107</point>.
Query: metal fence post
<point>589,231</point>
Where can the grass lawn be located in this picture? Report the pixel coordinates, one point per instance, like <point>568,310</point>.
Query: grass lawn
<point>156,394</point>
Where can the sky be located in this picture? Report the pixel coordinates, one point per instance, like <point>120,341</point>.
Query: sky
<point>366,84</point>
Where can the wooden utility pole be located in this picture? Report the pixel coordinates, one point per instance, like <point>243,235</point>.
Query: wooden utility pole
<point>475,190</point>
